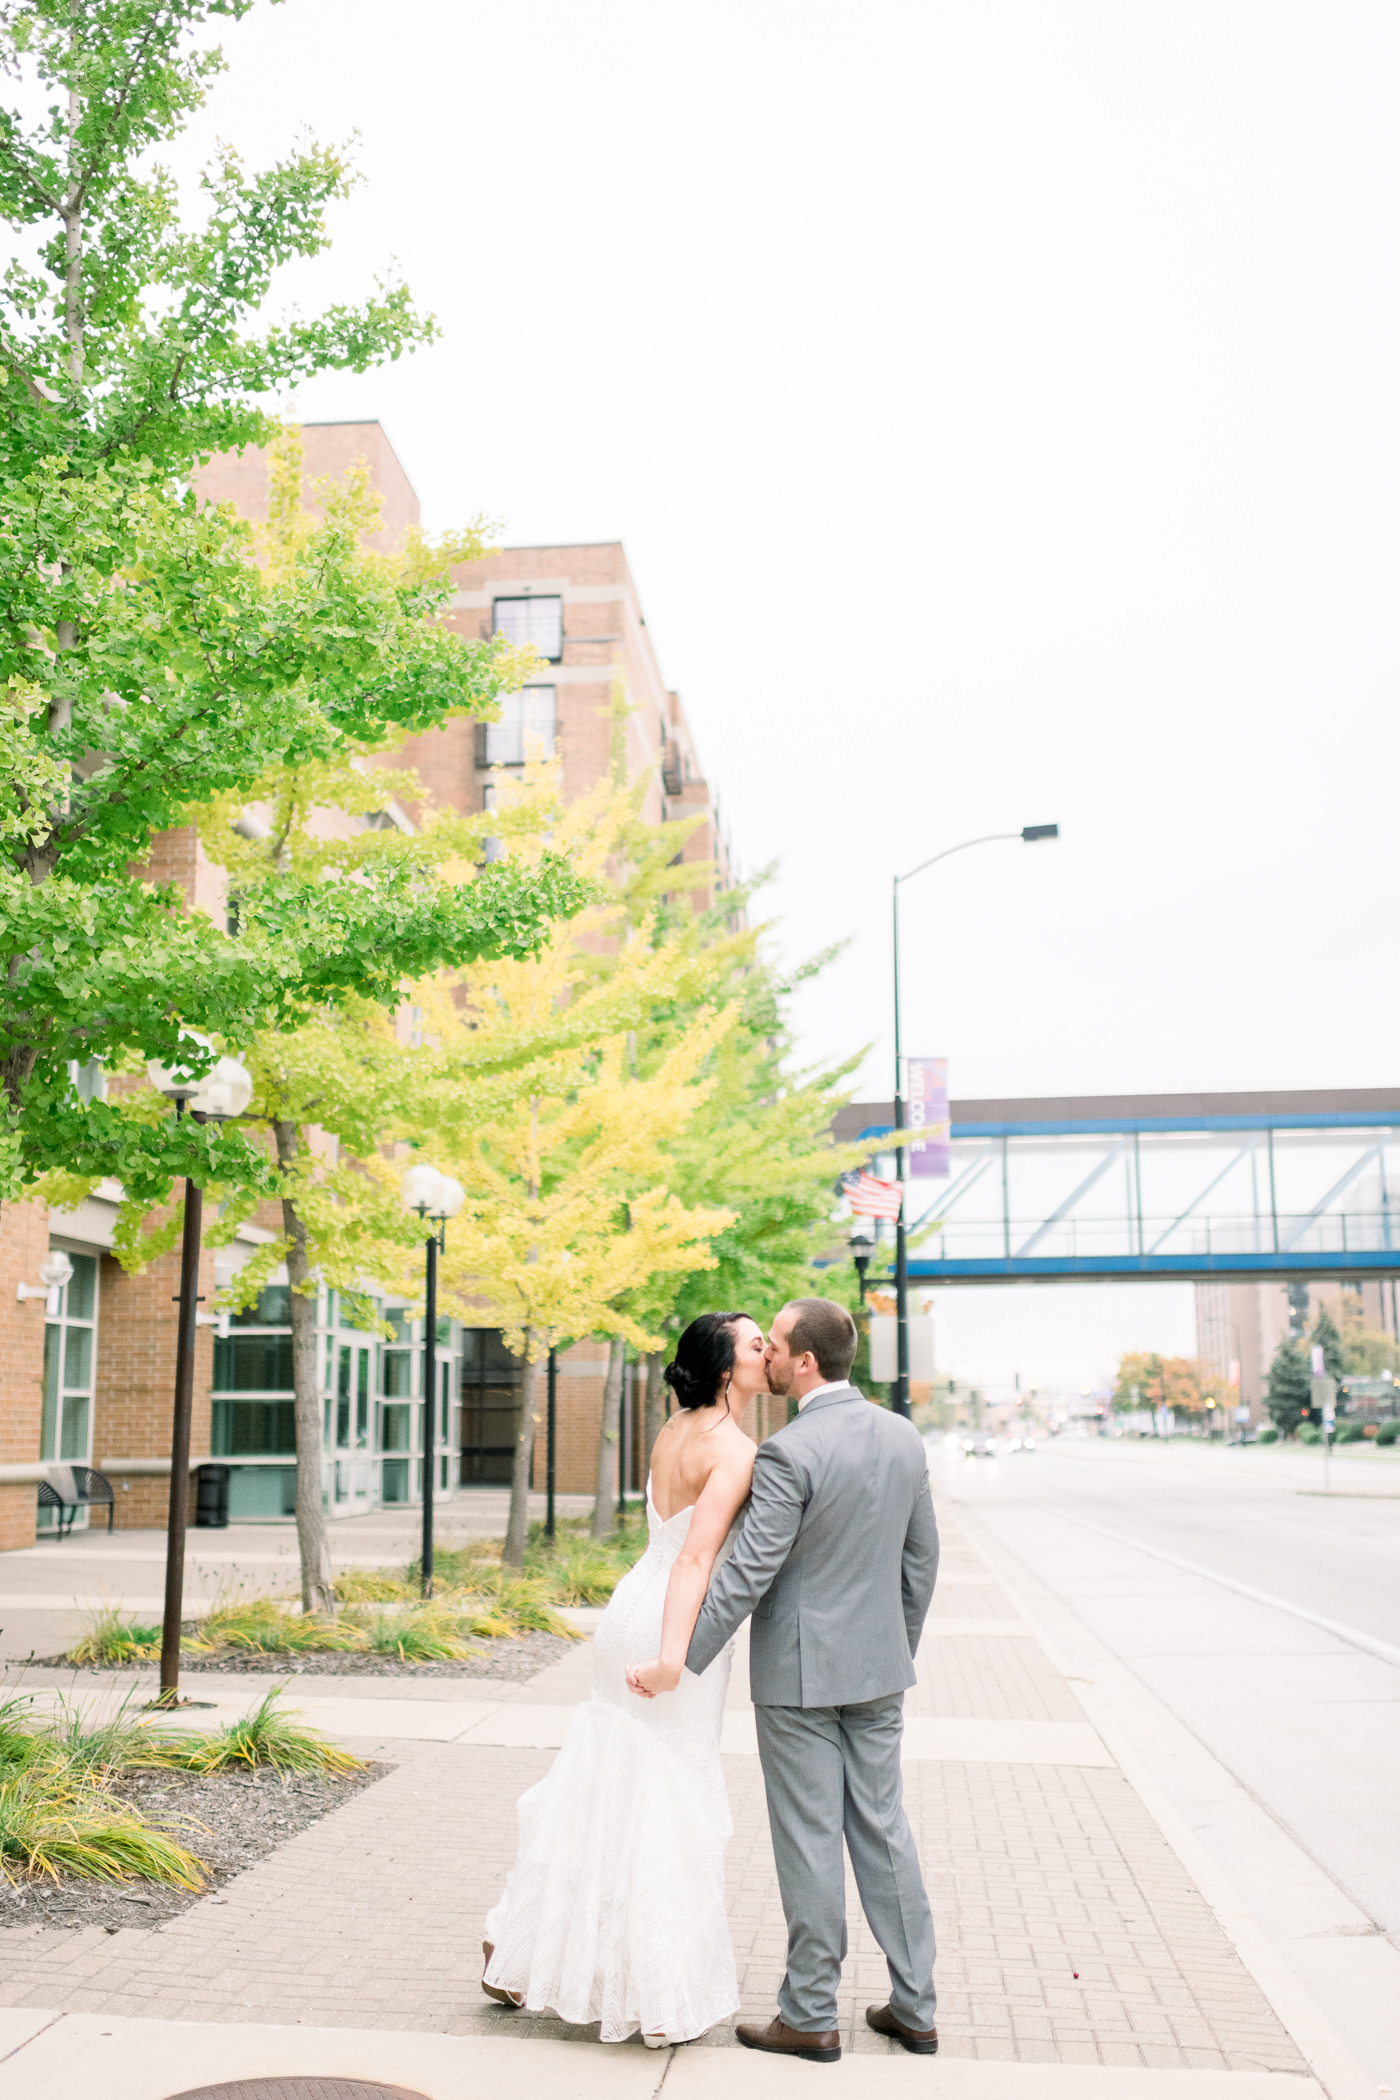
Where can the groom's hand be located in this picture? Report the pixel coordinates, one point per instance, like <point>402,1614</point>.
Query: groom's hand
<point>647,1679</point>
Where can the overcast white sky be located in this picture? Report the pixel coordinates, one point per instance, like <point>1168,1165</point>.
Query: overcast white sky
<point>998,405</point>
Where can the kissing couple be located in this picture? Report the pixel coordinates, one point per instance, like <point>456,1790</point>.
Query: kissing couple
<point>824,1535</point>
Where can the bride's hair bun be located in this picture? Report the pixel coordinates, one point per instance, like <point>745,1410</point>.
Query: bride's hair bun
<point>704,1359</point>
<point>682,1384</point>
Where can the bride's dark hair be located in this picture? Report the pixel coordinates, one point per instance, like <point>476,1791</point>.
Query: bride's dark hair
<point>704,1359</point>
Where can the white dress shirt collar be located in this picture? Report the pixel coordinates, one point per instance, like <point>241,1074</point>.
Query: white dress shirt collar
<point>831,1386</point>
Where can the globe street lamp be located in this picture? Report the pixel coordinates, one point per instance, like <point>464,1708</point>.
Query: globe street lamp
<point>210,1097</point>
<point>436,1198</point>
<point>862,1246</point>
<point>1028,835</point>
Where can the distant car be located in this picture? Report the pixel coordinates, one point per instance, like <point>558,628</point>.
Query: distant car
<point>1020,1443</point>
<point>979,1447</point>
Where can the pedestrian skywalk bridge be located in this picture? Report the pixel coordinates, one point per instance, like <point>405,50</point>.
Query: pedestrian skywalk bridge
<point>1233,1186</point>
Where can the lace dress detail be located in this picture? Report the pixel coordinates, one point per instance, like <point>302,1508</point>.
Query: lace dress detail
<point>614,1909</point>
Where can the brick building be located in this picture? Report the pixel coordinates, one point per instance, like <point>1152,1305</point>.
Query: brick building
<point>87,1369</point>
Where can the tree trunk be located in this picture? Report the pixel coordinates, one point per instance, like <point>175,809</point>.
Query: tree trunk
<point>518,1524</point>
<point>604,1514</point>
<point>655,1416</point>
<point>317,1580</point>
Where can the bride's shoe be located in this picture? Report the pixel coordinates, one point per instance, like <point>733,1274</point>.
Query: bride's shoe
<point>656,2041</point>
<point>514,1999</point>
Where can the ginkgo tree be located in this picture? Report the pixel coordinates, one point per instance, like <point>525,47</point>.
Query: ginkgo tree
<point>149,659</point>
<point>568,1211</point>
<point>353,1080</point>
<point>342,1071</point>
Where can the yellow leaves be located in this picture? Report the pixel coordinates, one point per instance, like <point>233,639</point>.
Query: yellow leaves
<point>568,1207</point>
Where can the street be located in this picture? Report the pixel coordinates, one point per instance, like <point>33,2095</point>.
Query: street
<point>1307,1721</point>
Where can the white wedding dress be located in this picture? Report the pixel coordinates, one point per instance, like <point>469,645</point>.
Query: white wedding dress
<point>614,1909</point>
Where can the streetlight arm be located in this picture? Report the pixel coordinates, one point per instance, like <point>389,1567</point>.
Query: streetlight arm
<point>988,838</point>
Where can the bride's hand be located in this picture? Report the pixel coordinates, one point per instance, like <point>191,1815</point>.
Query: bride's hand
<point>647,1679</point>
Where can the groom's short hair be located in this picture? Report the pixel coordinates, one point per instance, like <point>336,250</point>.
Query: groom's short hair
<point>827,1330</point>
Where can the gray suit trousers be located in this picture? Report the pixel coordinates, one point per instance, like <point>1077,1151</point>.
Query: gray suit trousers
<point>830,1770</point>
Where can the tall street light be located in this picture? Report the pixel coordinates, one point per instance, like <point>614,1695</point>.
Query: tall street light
<point>1028,835</point>
<point>215,1097</point>
<point>436,1198</point>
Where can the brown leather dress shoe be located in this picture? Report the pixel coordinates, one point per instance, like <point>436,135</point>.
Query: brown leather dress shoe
<point>919,2041</point>
<point>513,1999</point>
<point>781,2040</point>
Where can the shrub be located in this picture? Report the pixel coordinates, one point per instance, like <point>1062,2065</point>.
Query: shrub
<point>571,1568</point>
<point>431,1633</point>
<point>1267,1435</point>
<point>266,1625</point>
<point>1388,1433</point>
<point>372,1586</point>
<point>54,1821</point>
<point>1309,1433</point>
<point>108,1638</point>
<point>267,1736</point>
<point>1351,1433</point>
<point>581,1570</point>
<point>101,1749</point>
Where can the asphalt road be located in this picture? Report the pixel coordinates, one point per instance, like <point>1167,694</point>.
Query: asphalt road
<point>1305,1715</point>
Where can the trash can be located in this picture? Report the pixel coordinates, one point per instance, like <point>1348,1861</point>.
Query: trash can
<point>211,1498</point>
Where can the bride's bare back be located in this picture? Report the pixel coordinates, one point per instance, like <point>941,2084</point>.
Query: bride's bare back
<point>691,1448</point>
<point>702,1461</point>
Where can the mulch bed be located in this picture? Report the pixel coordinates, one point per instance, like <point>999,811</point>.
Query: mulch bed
<point>238,1819</point>
<point>510,1662</point>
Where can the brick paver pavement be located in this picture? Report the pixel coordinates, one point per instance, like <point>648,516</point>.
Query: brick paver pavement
<point>1068,1930</point>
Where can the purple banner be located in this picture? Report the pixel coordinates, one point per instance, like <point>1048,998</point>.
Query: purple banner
<point>927,1113</point>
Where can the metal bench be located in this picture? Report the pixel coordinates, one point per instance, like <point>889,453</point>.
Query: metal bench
<point>71,1488</point>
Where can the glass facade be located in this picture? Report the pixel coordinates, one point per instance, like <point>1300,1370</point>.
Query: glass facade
<point>371,1405</point>
<point>490,1396</point>
<point>70,1370</point>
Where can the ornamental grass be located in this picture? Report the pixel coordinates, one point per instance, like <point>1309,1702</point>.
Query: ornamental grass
<point>267,1736</point>
<point>58,1814</point>
<point>108,1638</point>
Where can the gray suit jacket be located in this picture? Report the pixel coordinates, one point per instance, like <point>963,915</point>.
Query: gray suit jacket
<point>836,1559</point>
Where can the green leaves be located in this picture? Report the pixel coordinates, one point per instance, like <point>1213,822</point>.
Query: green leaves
<point>144,342</point>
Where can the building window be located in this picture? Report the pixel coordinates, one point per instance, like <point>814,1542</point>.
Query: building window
<point>490,848</point>
<point>527,720</point>
<point>70,1367</point>
<point>539,621</point>
<point>89,1080</point>
<point>490,1394</point>
<point>253,1429</point>
<point>248,1363</point>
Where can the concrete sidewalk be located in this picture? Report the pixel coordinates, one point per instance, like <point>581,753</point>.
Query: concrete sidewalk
<point>1078,1954</point>
<point>50,2057</point>
<point>49,1591</point>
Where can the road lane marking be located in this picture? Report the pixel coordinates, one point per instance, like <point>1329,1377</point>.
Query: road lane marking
<point>1351,1634</point>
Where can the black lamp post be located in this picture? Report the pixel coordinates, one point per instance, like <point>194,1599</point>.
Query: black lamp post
<point>214,1098</point>
<point>436,1198</point>
<point>1028,835</point>
<point>862,1246</point>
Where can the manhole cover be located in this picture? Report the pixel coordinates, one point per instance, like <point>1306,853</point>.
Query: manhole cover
<point>300,2089</point>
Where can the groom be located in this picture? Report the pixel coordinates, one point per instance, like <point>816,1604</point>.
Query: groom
<point>836,1562</point>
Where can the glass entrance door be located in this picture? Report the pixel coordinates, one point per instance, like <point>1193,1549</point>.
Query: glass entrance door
<point>350,1426</point>
<point>70,1367</point>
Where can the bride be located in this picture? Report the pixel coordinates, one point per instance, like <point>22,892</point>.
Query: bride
<point>614,1909</point>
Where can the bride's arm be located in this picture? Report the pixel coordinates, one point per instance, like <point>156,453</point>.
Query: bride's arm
<point>720,1501</point>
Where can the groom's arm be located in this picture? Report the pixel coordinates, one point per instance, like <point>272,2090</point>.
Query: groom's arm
<point>778,1498</point>
<point>919,1567</point>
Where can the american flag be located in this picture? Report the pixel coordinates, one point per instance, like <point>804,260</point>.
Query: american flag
<point>871,1198</point>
